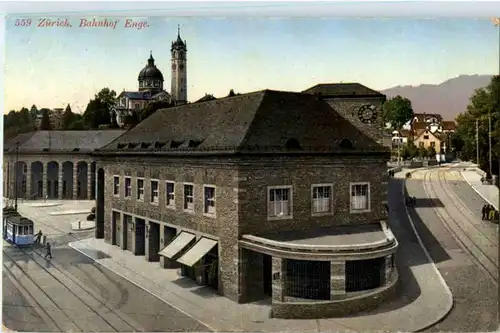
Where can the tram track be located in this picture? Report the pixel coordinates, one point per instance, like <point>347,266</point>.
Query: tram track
<point>470,242</point>
<point>116,321</point>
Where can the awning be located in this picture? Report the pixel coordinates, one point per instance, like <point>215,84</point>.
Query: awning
<point>197,252</point>
<point>177,245</point>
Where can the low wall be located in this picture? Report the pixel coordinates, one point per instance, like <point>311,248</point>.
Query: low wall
<point>338,308</point>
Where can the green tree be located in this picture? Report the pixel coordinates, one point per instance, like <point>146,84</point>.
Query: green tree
<point>153,107</point>
<point>33,112</point>
<point>98,109</point>
<point>397,111</point>
<point>431,152</point>
<point>422,152</point>
<point>67,118</point>
<point>231,93</point>
<point>484,102</point>
<point>45,122</point>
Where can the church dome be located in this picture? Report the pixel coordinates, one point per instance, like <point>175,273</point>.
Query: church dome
<point>150,72</point>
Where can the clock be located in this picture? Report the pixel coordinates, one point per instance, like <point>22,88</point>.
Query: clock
<point>156,84</point>
<point>174,67</point>
<point>367,113</point>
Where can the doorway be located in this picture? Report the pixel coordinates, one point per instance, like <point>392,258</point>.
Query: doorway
<point>154,241</point>
<point>140,237</point>
<point>267,272</point>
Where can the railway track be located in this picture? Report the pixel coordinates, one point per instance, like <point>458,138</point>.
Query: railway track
<point>482,247</point>
<point>115,320</point>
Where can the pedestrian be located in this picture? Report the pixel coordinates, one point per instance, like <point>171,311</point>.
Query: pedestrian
<point>49,252</point>
<point>491,214</point>
<point>38,237</point>
<point>483,213</point>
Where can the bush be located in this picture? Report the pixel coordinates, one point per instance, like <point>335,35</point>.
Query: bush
<point>91,217</point>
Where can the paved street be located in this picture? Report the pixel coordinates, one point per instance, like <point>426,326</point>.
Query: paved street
<point>73,293</point>
<point>474,291</point>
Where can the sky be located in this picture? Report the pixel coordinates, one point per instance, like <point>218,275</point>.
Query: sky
<point>55,66</point>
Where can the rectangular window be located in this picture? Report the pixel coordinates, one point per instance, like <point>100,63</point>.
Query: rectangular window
<point>188,197</point>
<point>154,191</point>
<point>321,199</point>
<point>279,202</point>
<point>433,144</point>
<point>140,189</point>
<point>360,197</point>
<point>426,137</point>
<point>170,194</point>
<point>421,145</point>
<point>128,187</point>
<point>209,203</point>
<point>116,185</point>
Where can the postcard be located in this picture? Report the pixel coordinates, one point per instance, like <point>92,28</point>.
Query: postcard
<point>251,169</point>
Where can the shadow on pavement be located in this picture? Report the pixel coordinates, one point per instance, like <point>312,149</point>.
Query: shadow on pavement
<point>433,246</point>
<point>428,202</point>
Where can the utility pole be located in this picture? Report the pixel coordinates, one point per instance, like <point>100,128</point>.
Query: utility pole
<point>489,143</point>
<point>16,175</point>
<point>477,142</point>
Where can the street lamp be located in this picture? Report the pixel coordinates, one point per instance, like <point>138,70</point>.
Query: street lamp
<point>15,175</point>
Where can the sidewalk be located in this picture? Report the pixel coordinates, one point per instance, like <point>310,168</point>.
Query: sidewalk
<point>221,314</point>
<point>488,192</point>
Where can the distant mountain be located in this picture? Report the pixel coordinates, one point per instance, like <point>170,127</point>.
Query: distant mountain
<point>448,98</point>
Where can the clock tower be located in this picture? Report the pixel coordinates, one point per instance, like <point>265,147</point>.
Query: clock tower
<point>179,71</point>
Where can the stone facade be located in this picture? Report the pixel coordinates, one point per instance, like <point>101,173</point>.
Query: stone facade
<point>241,199</point>
<point>70,168</point>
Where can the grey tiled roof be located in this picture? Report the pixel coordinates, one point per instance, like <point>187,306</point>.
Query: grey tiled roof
<point>266,120</point>
<point>62,141</point>
<point>342,90</point>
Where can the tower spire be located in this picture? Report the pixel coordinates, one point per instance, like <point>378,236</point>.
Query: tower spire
<point>178,30</point>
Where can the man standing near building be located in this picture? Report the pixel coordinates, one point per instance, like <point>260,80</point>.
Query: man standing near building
<point>49,251</point>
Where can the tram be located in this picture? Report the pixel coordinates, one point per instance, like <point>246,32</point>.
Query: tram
<point>17,230</point>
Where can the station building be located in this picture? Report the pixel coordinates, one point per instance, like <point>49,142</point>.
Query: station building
<point>53,164</point>
<point>262,196</point>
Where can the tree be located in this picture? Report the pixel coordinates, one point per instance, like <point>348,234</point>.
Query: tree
<point>231,93</point>
<point>483,102</point>
<point>67,118</point>
<point>153,107</point>
<point>33,112</point>
<point>397,111</point>
<point>422,152</point>
<point>45,123</point>
<point>431,152</point>
<point>98,109</point>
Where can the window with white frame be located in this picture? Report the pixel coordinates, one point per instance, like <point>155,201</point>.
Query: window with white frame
<point>188,197</point>
<point>116,185</point>
<point>170,194</point>
<point>154,191</point>
<point>279,202</point>
<point>128,187</point>
<point>140,189</point>
<point>360,197</point>
<point>209,199</point>
<point>321,198</point>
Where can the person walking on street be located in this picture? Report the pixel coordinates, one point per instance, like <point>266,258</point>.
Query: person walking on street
<point>38,237</point>
<point>49,252</point>
<point>483,211</point>
<point>491,214</point>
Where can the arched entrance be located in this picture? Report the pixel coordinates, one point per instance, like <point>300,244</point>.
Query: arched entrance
<point>36,180</point>
<point>20,175</point>
<point>99,219</point>
<point>67,179</point>
<point>92,181</point>
<point>53,180</point>
<point>82,176</point>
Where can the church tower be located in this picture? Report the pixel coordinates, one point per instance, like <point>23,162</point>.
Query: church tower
<point>179,70</point>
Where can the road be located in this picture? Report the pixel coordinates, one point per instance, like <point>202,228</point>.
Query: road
<point>464,248</point>
<point>72,293</point>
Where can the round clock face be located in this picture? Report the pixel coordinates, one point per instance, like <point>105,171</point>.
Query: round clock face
<point>174,67</point>
<point>367,113</point>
